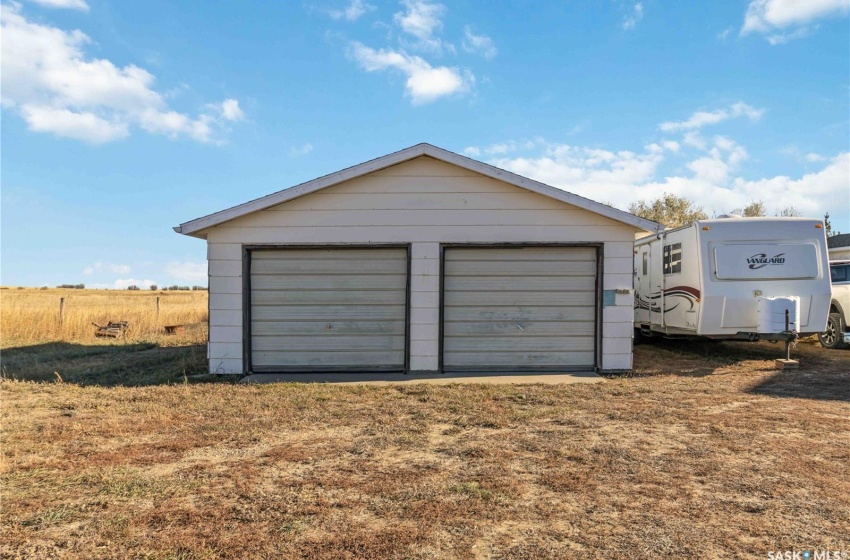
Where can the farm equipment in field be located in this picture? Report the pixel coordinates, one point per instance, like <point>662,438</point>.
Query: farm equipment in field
<point>112,329</point>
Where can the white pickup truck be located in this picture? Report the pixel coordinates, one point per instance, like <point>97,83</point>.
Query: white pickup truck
<point>836,334</point>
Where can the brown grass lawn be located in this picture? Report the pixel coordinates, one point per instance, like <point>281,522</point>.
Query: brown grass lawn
<point>706,453</point>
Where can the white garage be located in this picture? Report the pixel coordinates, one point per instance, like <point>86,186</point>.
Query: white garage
<point>419,261</point>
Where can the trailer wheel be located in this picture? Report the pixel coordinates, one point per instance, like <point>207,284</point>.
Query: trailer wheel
<point>833,336</point>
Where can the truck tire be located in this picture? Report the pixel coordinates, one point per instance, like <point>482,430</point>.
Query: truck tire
<point>833,336</point>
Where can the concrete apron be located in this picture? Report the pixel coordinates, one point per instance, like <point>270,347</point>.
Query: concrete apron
<point>431,379</point>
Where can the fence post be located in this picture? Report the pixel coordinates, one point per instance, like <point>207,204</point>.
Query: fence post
<point>157,310</point>
<point>61,312</point>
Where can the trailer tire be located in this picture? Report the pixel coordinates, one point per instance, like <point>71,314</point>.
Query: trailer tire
<point>833,336</point>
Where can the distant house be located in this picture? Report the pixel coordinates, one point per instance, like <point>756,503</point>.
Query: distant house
<point>839,247</point>
<point>422,260</point>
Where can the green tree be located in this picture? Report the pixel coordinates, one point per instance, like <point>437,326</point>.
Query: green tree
<point>827,226</point>
<point>669,210</point>
<point>754,209</point>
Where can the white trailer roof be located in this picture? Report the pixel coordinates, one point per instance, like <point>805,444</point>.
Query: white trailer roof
<point>197,226</point>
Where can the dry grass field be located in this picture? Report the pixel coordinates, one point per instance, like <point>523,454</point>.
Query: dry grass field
<point>705,453</point>
<point>31,316</point>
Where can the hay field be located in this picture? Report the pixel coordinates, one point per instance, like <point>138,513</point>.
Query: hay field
<point>31,316</point>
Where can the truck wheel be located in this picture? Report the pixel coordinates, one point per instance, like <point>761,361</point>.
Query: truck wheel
<point>833,336</point>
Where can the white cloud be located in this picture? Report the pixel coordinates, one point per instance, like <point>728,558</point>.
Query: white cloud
<point>704,118</point>
<point>353,11</point>
<point>124,283</point>
<point>799,155</point>
<point>782,38</point>
<point>425,83</point>
<point>694,139</point>
<point>634,17</point>
<point>187,271</point>
<point>715,166</point>
<point>710,177</point>
<point>79,126</point>
<point>422,19</point>
<point>99,267</point>
<point>773,17</point>
<point>586,171</point>
<point>50,82</point>
<point>301,150</point>
<point>231,111</point>
<point>502,148</point>
<point>64,4</point>
<point>478,44</point>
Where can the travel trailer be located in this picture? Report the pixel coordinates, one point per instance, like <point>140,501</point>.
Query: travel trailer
<point>733,278</point>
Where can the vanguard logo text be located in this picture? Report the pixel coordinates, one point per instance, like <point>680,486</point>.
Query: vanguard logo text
<point>761,260</point>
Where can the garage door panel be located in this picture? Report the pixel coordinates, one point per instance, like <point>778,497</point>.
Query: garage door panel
<point>357,298</point>
<point>513,328</point>
<point>323,313</point>
<point>513,298</point>
<point>328,309</point>
<point>324,254</point>
<point>327,343</point>
<point>520,360</point>
<point>522,314</point>
<point>523,343</point>
<point>526,269</point>
<point>519,283</point>
<point>387,327</point>
<point>307,361</point>
<point>364,265</point>
<point>325,282</point>
<point>466,254</point>
<point>519,307</point>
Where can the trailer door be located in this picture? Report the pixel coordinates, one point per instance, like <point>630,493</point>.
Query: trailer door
<point>643,289</point>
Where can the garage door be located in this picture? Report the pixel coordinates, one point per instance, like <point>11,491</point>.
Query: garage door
<point>519,308</point>
<point>340,309</point>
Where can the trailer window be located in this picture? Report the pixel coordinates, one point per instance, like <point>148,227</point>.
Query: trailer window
<point>673,258</point>
<point>645,262</point>
<point>840,273</point>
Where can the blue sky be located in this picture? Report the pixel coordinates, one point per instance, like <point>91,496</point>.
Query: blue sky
<point>121,120</point>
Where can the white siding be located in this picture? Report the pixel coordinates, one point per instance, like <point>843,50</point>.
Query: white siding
<point>839,253</point>
<point>424,202</point>
<point>424,306</point>
<point>618,320</point>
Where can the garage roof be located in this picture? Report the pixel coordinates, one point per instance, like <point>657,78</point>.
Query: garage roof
<point>197,226</point>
